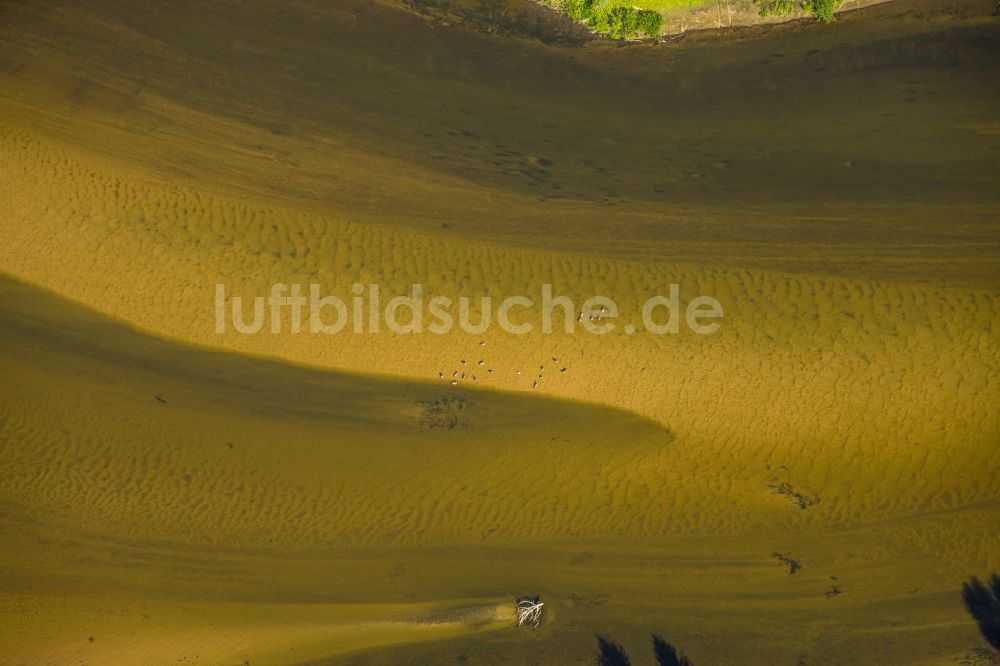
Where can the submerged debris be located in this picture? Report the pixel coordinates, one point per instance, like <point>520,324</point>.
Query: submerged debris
<point>804,501</point>
<point>445,413</point>
<point>793,565</point>
<point>529,612</point>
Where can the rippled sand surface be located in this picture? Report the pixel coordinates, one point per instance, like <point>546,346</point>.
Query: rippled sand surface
<point>175,494</point>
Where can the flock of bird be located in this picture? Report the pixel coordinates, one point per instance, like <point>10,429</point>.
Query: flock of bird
<point>467,368</point>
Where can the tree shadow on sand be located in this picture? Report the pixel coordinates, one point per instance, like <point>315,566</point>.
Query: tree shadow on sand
<point>667,655</point>
<point>983,603</point>
<point>610,653</point>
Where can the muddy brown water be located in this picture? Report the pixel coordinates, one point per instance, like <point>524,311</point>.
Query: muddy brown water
<point>871,143</point>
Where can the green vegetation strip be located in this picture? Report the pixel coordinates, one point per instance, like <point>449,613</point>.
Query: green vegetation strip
<point>821,9</point>
<point>619,19</point>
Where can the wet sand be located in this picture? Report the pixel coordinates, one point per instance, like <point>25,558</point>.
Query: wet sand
<point>834,188</point>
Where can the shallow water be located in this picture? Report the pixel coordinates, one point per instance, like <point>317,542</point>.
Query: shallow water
<point>288,499</point>
<point>864,148</point>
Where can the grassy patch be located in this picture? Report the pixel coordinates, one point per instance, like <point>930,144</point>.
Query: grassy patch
<point>777,8</point>
<point>821,9</point>
<point>657,5</point>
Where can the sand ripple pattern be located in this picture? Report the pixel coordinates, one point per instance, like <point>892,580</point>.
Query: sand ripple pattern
<point>879,399</point>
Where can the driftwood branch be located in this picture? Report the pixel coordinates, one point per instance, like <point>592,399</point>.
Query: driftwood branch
<point>529,612</point>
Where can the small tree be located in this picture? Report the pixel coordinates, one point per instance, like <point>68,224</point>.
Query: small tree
<point>822,9</point>
<point>650,23</point>
<point>578,10</point>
